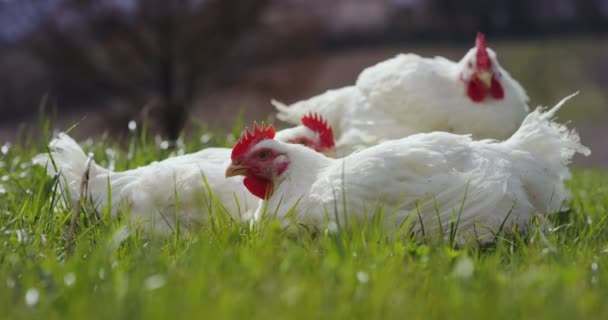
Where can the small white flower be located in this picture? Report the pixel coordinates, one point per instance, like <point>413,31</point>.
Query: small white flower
<point>206,138</point>
<point>332,227</point>
<point>132,125</point>
<point>155,282</point>
<point>363,277</point>
<point>31,297</point>
<point>69,279</point>
<point>464,268</point>
<point>5,147</point>
<point>594,266</point>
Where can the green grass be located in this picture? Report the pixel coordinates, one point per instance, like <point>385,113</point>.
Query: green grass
<point>227,270</point>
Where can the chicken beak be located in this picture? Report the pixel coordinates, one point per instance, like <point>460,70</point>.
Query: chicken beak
<point>485,77</point>
<point>236,170</point>
<point>329,153</point>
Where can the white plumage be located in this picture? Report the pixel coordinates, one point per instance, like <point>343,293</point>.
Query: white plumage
<point>410,94</point>
<point>427,172</point>
<point>148,193</point>
<point>154,194</point>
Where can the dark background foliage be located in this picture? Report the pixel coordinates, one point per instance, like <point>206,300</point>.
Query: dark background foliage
<point>180,62</point>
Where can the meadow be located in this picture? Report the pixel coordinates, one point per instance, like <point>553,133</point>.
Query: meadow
<point>226,269</point>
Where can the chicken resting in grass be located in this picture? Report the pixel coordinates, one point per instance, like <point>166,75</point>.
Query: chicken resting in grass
<point>409,94</point>
<point>150,193</point>
<point>427,176</point>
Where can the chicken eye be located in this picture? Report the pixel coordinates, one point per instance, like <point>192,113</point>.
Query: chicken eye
<point>470,64</point>
<point>263,155</point>
<point>303,142</point>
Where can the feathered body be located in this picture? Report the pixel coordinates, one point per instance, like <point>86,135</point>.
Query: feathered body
<point>431,175</point>
<point>149,194</point>
<point>155,193</point>
<point>410,94</point>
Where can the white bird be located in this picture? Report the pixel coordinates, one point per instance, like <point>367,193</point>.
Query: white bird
<point>410,94</point>
<point>155,193</point>
<point>427,176</point>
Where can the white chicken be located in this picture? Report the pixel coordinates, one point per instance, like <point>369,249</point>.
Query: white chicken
<point>150,193</point>
<point>427,175</point>
<point>410,94</point>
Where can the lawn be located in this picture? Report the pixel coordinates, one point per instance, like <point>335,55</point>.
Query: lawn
<point>229,270</point>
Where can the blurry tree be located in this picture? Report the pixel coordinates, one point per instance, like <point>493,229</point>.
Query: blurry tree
<point>467,17</point>
<point>593,15</point>
<point>520,16</point>
<point>458,17</point>
<point>163,55</point>
<point>153,53</point>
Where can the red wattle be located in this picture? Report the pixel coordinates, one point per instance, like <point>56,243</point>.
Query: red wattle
<point>496,89</point>
<point>475,89</point>
<point>259,187</point>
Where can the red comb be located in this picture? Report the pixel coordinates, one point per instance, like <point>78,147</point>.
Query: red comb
<point>483,60</point>
<point>317,124</point>
<point>249,139</point>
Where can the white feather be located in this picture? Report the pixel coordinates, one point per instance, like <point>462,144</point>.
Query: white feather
<point>153,194</point>
<point>409,94</point>
<point>148,193</point>
<point>433,175</point>
<point>331,105</point>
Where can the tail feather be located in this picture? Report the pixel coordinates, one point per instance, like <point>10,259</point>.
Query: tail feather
<point>549,114</point>
<point>331,105</point>
<point>67,158</point>
<point>551,146</point>
<point>548,140</point>
<point>284,112</point>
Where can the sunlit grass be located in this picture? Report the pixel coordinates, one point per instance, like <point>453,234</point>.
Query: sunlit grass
<point>228,269</point>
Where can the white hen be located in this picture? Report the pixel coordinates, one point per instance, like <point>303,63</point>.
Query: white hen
<point>410,94</point>
<point>150,193</point>
<point>418,174</point>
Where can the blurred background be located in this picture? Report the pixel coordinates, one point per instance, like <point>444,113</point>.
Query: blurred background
<point>185,62</point>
